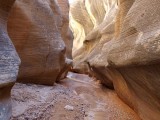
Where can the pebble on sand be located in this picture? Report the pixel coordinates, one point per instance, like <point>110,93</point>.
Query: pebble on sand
<point>68,107</point>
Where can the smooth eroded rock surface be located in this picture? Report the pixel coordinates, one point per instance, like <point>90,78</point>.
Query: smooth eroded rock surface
<point>9,61</point>
<point>35,28</point>
<point>66,33</point>
<point>119,44</point>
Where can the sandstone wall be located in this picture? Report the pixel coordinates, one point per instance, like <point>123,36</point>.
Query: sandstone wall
<point>38,30</point>
<point>119,44</point>
<point>66,33</point>
<point>9,62</point>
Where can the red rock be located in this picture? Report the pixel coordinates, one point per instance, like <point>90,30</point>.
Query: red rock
<point>121,49</point>
<point>34,27</point>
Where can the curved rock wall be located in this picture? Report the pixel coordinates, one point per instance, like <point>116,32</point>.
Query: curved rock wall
<point>38,30</point>
<point>66,33</point>
<point>9,61</point>
<point>119,44</point>
<point>95,29</point>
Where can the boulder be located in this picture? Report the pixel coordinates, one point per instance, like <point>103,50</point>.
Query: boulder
<point>35,28</point>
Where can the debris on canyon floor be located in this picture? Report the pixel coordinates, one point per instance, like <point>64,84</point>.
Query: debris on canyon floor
<point>77,97</point>
<point>68,107</point>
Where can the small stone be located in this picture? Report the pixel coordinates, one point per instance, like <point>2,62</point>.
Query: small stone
<point>68,107</point>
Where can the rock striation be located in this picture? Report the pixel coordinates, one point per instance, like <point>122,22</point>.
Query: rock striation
<point>118,42</point>
<point>37,30</point>
<point>66,32</point>
<point>9,62</point>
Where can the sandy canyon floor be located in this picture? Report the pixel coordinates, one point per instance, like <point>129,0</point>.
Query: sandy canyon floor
<point>78,97</point>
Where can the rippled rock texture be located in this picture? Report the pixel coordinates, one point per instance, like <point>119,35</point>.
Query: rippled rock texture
<point>36,28</point>
<point>9,62</point>
<point>118,42</point>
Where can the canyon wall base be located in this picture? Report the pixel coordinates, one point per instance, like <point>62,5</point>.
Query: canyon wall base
<point>9,62</point>
<point>119,45</point>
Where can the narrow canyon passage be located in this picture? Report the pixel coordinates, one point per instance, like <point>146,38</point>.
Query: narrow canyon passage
<point>78,97</point>
<point>48,47</point>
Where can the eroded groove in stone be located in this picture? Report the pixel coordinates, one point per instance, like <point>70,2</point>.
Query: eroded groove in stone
<point>119,44</point>
<point>37,28</point>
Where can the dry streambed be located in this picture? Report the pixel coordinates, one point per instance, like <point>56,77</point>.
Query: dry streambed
<point>77,97</point>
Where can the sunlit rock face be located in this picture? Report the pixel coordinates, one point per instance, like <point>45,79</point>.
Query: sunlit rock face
<point>119,44</point>
<point>36,28</point>
<point>9,61</point>
<point>93,24</point>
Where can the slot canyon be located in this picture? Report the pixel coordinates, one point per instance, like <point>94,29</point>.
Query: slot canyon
<point>79,59</point>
